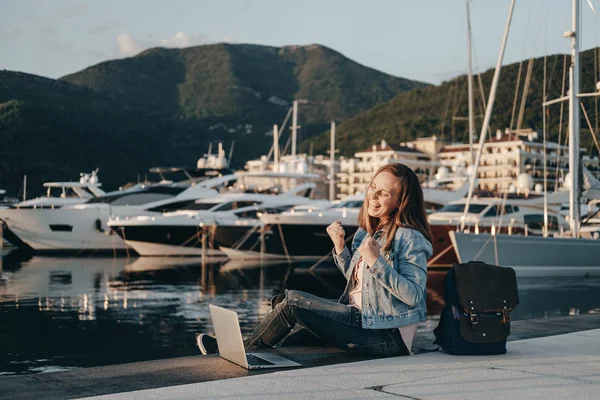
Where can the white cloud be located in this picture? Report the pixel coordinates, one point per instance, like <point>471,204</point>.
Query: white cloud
<point>182,39</point>
<point>128,46</point>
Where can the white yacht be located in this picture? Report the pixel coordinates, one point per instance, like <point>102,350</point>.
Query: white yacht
<point>58,194</point>
<point>527,247</point>
<point>224,220</point>
<point>487,214</point>
<point>519,251</point>
<point>298,233</point>
<point>83,226</point>
<point>287,233</point>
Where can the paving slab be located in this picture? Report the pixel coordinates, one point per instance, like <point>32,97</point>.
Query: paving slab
<point>557,367</point>
<point>175,372</point>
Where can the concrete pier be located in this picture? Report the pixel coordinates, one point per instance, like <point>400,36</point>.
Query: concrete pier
<point>553,357</point>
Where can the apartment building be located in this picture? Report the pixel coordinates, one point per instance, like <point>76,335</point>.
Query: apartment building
<point>420,155</point>
<point>509,154</point>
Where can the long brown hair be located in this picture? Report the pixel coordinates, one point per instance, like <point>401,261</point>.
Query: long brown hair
<point>410,212</point>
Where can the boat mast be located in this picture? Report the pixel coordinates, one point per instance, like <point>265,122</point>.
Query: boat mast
<point>332,166</point>
<point>294,126</point>
<point>574,122</point>
<point>275,149</point>
<point>488,113</point>
<point>470,86</point>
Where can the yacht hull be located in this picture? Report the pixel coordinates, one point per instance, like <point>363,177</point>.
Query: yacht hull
<point>149,249</point>
<point>295,241</point>
<point>176,240</point>
<point>519,251</point>
<point>63,229</point>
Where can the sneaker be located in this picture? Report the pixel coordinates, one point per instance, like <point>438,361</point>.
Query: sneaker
<point>277,299</point>
<point>207,344</point>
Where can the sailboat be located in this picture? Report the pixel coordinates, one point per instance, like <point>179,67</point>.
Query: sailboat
<point>563,250</point>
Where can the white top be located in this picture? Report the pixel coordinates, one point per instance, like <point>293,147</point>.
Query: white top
<point>408,332</point>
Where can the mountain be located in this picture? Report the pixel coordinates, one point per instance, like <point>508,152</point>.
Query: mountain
<point>430,111</point>
<point>244,81</point>
<point>52,130</point>
<point>162,107</point>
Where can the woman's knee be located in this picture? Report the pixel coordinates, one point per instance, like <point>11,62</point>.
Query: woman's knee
<point>288,298</point>
<point>294,295</point>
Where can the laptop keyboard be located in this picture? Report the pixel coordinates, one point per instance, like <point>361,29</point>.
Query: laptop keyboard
<point>253,360</point>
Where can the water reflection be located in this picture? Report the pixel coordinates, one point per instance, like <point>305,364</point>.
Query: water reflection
<point>64,312</point>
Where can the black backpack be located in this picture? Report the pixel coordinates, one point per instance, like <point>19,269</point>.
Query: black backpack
<point>476,316</point>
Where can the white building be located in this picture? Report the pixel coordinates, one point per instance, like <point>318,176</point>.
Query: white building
<point>356,173</point>
<point>510,154</point>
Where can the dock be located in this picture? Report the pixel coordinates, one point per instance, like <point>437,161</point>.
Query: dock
<point>558,357</point>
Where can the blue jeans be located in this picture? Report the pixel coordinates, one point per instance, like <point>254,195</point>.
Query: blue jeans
<point>335,323</point>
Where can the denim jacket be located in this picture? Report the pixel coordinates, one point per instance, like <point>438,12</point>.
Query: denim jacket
<point>393,292</point>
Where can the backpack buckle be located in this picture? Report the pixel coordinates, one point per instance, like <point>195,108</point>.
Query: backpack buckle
<point>474,319</point>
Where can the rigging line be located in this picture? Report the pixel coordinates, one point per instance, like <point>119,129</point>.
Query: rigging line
<point>243,239</point>
<point>287,117</point>
<point>328,255</point>
<point>287,254</point>
<point>501,210</point>
<point>454,105</point>
<point>433,260</point>
<point>445,113</point>
<point>544,154</point>
<point>483,246</point>
<point>461,94</point>
<point>596,80</point>
<point>560,122</point>
<point>514,108</point>
<point>447,108</point>
<point>319,261</point>
<point>496,250</point>
<point>287,144</point>
<point>525,93</point>
<point>483,105</point>
<point>527,28</point>
<point>285,279</point>
<point>114,245</point>
<point>552,74</point>
<point>567,137</point>
<point>590,126</point>
<point>465,135</point>
<point>189,240</point>
<point>125,240</point>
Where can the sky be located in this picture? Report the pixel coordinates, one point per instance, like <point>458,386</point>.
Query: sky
<point>424,40</point>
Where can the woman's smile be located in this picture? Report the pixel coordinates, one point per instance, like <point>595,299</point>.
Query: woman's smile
<point>382,195</point>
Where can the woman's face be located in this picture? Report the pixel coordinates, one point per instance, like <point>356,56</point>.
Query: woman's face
<point>383,195</point>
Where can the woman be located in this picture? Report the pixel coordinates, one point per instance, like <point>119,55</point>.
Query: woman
<point>386,270</point>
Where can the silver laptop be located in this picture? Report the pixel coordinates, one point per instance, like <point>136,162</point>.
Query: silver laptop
<point>231,345</point>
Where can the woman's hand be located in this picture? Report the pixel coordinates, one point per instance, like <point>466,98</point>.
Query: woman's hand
<point>338,236</point>
<point>369,250</point>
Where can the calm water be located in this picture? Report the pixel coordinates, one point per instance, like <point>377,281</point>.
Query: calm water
<point>58,313</point>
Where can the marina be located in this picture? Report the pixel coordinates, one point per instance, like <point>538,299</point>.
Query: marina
<point>221,173</point>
